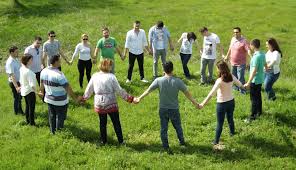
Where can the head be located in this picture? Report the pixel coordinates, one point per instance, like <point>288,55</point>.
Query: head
<point>224,71</point>
<point>137,25</point>
<point>106,65</point>
<point>84,38</point>
<point>27,59</point>
<point>255,44</point>
<point>13,51</point>
<point>272,45</point>
<point>51,35</point>
<point>37,42</point>
<point>168,67</point>
<point>55,61</point>
<point>191,36</point>
<point>159,24</point>
<point>237,32</point>
<point>105,32</point>
<point>204,31</point>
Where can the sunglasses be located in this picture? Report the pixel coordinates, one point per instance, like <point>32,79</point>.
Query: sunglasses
<point>85,39</point>
<point>235,32</point>
<point>52,36</point>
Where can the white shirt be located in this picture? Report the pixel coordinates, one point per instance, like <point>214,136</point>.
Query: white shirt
<point>84,52</point>
<point>273,58</point>
<point>136,42</point>
<point>12,67</point>
<point>27,81</point>
<point>37,57</point>
<point>186,46</point>
<point>209,46</point>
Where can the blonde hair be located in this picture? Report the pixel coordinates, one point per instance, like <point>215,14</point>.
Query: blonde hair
<point>106,65</point>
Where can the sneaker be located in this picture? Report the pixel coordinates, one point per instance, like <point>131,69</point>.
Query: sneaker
<point>249,120</point>
<point>128,81</point>
<point>144,81</point>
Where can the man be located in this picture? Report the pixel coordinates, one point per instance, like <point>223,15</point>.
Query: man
<point>169,87</point>
<point>238,50</point>
<point>134,45</point>
<point>57,88</point>
<point>52,47</point>
<point>208,54</point>
<point>256,80</point>
<point>35,50</point>
<point>12,68</point>
<point>158,38</point>
<point>107,46</point>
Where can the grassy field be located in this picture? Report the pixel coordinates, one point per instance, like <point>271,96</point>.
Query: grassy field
<point>267,143</point>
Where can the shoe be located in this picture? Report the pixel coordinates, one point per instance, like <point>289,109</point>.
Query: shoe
<point>122,143</point>
<point>168,151</point>
<point>144,80</point>
<point>128,81</point>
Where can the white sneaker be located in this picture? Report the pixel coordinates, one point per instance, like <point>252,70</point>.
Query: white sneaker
<point>144,81</point>
<point>128,81</point>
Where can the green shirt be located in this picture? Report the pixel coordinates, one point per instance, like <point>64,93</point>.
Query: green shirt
<point>258,62</point>
<point>107,47</point>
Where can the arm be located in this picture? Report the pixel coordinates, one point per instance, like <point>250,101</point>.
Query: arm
<point>221,49</point>
<point>89,90</point>
<point>117,88</point>
<point>44,58</point>
<point>211,93</point>
<point>75,53</point>
<point>252,75</point>
<point>63,56</point>
<point>12,77</point>
<point>171,44</point>
<point>97,50</point>
<point>71,93</point>
<point>189,96</point>
<point>119,53</point>
<point>237,82</point>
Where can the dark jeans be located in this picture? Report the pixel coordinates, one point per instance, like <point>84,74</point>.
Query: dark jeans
<point>222,109</point>
<point>132,58</point>
<point>173,115</point>
<point>116,124</point>
<point>17,102</point>
<point>239,73</point>
<point>256,100</point>
<point>30,108</point>
<point>38,77</point>
<point>185,59</point>
<point>56,116</point>
<point>270,79</point>
<point>84,65</point>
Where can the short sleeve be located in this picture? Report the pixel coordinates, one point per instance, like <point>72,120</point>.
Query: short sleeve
<point>154,85</point>
<point>63,81</point>
<point>44,47</point>
<point>247,46</point>
<point>59,45</point>
<point>115,43</point>
<point>167,32</point>
<point>99,44</point>
<point>217,40</point>
<point>9,69</point>
<point>182,86</point>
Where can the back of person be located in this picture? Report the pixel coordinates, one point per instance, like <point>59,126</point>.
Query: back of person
<point>224,92</point>
<point>25,81</point>
<point>258,62</point>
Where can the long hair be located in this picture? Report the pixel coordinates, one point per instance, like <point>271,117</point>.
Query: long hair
<point>274,45</point>
<point>224,71</point>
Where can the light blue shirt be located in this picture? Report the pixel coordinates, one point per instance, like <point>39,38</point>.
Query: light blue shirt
<point>158,38</point>
<point>12,67</point>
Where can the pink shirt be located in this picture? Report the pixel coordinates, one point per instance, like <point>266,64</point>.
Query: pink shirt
<point>238,51</point>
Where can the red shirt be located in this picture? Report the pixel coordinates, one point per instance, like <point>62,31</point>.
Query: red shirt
<point>238,51</point>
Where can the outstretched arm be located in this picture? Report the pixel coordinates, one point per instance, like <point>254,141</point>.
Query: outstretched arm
<point>189,96</point>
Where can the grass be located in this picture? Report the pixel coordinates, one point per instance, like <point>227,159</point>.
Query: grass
<point>268,143</point>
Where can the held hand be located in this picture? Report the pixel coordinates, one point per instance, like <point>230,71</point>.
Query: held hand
<point>94,61</point>
<point>136,100</point>
<point>172,47</point>
<point>40,94</point>
<point>247,85</point>
<point>200,106</point>
<point>18,89</point>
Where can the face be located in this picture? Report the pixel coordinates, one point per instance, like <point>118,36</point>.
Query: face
<point>37,43</point>
<point>30,62</point>
<point>268,46</point>
<point>205,33</point>
<point>15,53</point>
<point>136,26</point>
<point>252,47</point>
<point>85,38</point>
<point>105,33</point>
<point>236,33</point>
<point>51,36</point>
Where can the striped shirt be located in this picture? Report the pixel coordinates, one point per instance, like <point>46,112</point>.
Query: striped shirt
<point>55,84</point>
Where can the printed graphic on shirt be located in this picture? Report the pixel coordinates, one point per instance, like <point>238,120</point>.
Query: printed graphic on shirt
<point>208,48</point>
<point>108,44</point>
<point>159,34</point>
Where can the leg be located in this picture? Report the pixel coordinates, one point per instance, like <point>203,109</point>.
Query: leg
<point>234,72</point>
<point>61,116</point>
<point>31,101</point>
<point>185,59</point>
<point>52,118</point>
<point>203,70</point>
<point>211,68</point>
<point>241,76</point>
<point>38,77</point>
<point>140,59</point>
<point>117,126</point>
<point>155,62</point>
<point>229,115</point>
<point>259,100</point>
<point>17,105</point>
<point>131,62</point>
<point>253,97</point>
<point>163,54</point>
<point>174,115</point>
<point>81,66</point>
<point>220,111</point>
<point>103,127</point>
<point>27,98</point>
<point>164,120</point>
<point>88,69</point>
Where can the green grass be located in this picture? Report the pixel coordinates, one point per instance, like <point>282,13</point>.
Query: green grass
<point>266,143</point>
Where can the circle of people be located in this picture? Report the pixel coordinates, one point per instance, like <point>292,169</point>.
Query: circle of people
<point>43,65</point>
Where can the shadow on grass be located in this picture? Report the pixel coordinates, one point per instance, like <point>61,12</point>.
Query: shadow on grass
<point>286,119</point>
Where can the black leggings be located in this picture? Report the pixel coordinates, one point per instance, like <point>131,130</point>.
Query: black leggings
<point>84,65</point>
<point>30,108</point>
<point>116,124</point>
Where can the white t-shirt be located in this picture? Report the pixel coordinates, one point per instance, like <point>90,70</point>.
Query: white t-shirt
<point>186,46</point>
<point>273,57</point>
<point>27,81</point>
<point>84,52</point>
<point>209,46</point>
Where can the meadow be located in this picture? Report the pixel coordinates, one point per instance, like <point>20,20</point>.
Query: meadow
<point>267,143</point>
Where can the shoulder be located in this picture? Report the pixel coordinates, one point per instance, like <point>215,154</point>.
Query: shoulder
<point>141,30</point>
<point>46,43</point>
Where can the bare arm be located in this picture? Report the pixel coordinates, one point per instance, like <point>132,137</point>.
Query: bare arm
<point>189,96</point>
<point>63,56</point>
<point>252,75</point>
<point>17,87</point>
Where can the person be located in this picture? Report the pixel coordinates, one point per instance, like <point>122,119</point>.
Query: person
<point>56,88</point>
<point>169,87</point>
<point>208,54</point>
<point>107,46</point>
<point>12,68</point>
<point>186,50</point>
<point>105,86</point>
<point>84,62</point>
<point>35,50</point>
<point>52,47</point>
<point>225,100</point>
<point>273,60</point>
<point>238,51</point>
<point>134,45</point>
<point>256,79</point>
<point>28,87</point>
<point>158,38</point>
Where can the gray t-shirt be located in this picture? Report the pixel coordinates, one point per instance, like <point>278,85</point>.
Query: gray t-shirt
<point>51,48</point>
<point>168,91</point>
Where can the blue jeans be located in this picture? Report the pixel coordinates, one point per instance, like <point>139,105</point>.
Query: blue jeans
<point>222,109</point>
<point>204,64</point>
<point>270,79</point>
<point>173,115</point>
<point>17,99</point>
<point>239,73</point>
<point>185,59</point>
<point>56,116</point>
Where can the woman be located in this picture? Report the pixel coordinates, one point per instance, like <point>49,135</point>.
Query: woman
<point>272,73</point>
<point>186,50</point>
<point>104,84</point>
<point>28,87</point>
<point>84,62</point>
<point>225,99</point>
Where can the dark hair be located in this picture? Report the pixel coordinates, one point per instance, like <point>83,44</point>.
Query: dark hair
<point>105,29</point>
<point>168,67</point>
<point>159,24</point>
<point>38,38</point>
<point>275,46</point>
<point>137,22</point>
<point>255,43</point>
<point>12,49</point>
<point>26,58</point>
<point>50,32</point>
<point>237,28</point>
<point>54,59</point>
<point>191,35</point>
<point>203,29</point>
<point>224,71</point>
